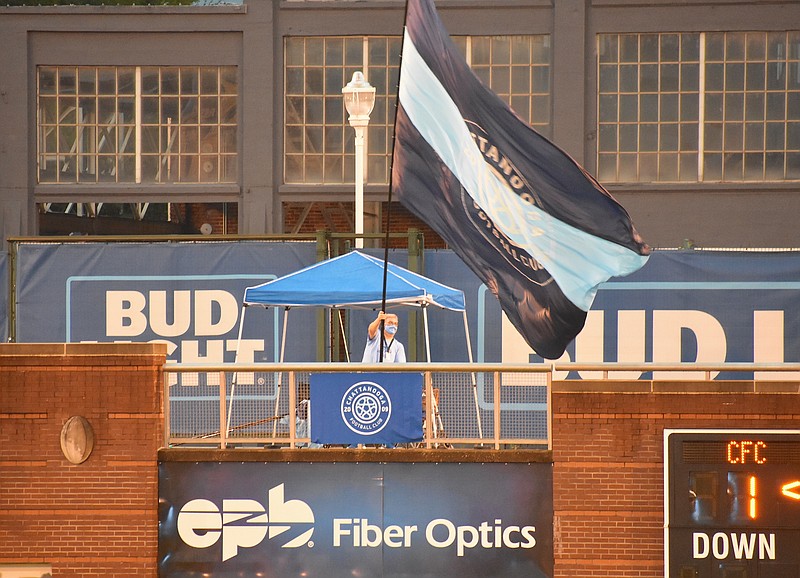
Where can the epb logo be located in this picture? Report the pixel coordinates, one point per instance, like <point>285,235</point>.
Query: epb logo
<point>244,523</point>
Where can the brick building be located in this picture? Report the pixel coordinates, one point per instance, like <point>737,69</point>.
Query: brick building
<point>688,112</point>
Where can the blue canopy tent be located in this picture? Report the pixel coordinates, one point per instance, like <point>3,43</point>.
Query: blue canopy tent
<point>354,280</point>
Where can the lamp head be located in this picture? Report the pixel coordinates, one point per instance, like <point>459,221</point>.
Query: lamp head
<point>359,97</point>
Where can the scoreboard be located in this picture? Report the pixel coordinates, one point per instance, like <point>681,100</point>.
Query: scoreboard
<point>732,503</point>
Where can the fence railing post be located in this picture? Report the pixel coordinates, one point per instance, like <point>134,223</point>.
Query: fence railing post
<point>496,392</point>
<point>223,422</point>
<point>292,410</point>
<point>167,426</point>
<point>429,415</point>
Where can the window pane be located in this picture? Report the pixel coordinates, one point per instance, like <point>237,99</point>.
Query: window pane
<point>628,108</point>
<point>732,167</point>
<point>669,107</point>
<point>648,137</point>
<point>793,136</point>
<point>294,51</point>
<point>713,136</point>
<point>776,134</point>
<point>607,108</point>
<point>629,48</point>
<point>734,46</point>
<point>776,106</point>
<point>670,48</point>
<point>690,47</point>
<point>608,48</point>
<point>754,166</point>
<point>648,108</point>
<point>734,76</point>
<point>734,107</point>
<point>607,168</point>
<point>668,167</point>
<point>47,80</point>
<point>629,78</point>
<point>754,136</point>
<point>607,138</point>
<point>712,167</point>
<point>733,137</point>
<point>668,137</point>
<point>755,72</point>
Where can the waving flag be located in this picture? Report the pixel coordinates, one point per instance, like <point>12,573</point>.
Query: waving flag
<point>537,229</point>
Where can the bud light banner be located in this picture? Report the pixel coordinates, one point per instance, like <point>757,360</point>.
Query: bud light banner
<point>687,306</point>
<point>366,408</point>
<point>341,520</point>
<point>187,295</point>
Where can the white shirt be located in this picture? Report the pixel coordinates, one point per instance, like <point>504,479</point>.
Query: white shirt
<point>393,350</point>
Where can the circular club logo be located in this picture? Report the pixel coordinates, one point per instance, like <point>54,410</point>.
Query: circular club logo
<point>366,408</point>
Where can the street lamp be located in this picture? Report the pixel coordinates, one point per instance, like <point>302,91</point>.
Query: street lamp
<point>359,98</point>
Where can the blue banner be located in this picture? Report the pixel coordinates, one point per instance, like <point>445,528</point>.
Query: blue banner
<point>333,520</point>
<point>188,295</point>
<point>682,306</point>
<point>366,408</point>
<point>708,307</point>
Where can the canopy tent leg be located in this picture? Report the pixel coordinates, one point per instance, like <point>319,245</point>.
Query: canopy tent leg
<point>474,380</point>
<point>344,335</point>
<point>235,374</point>
<point>437,417</point>
<point>427,335</point>
<point>280,374</point>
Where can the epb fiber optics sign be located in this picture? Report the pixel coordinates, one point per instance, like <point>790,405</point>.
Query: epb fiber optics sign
<point>355,519</point>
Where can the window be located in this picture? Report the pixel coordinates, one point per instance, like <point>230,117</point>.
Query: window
<point>710,107</point>
<point>517,68</point>
<point>318,141</point>
<point>137,124</point>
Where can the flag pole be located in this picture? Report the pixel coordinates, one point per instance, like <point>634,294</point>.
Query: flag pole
<point>389,200</point>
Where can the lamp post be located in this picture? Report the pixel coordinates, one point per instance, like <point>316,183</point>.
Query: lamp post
<point>359,98</point>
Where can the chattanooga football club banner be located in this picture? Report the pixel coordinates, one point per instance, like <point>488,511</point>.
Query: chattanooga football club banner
<point>366,408</point>
<point>537,229</point>
<point>355,519</point>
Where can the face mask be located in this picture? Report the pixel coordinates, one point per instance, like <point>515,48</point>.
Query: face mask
<point>391,329</point>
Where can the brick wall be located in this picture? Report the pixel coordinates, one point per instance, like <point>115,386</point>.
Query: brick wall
<point>608,472</point>
<point>97,518</point>
<point>339,218</point>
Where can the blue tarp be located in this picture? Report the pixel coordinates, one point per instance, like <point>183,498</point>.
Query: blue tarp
<point>353,280</point>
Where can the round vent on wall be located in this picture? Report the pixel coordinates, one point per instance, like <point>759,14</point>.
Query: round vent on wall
<point>77,439</point>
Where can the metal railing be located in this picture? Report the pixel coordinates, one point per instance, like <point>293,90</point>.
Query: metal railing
<point>488,405</point>
<point>267,404</point>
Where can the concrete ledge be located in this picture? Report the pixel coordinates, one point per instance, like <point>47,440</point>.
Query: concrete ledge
<point>46,356</point>
<point>83,348</point>
<point>600,386</point>
<point>400,455</point>
<point>665,386</point>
